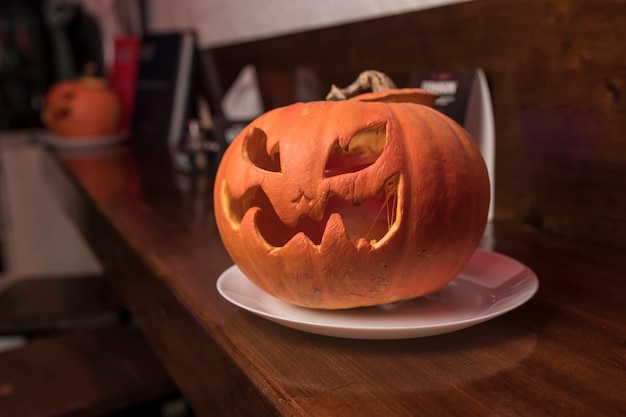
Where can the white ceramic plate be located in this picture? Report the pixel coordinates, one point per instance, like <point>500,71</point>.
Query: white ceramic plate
<point>83,142</point>
<point>490,285</point>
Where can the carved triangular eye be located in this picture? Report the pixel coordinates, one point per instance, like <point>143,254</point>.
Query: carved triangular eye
<point>362,151</point>
<point>255,151</point>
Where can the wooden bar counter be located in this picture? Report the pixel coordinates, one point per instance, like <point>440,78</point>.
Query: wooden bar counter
<point>563,353</point>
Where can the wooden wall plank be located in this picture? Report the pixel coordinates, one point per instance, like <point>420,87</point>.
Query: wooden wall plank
<point>557,74</point>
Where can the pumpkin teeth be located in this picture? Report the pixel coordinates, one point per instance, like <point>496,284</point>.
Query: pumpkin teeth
<point>335,230</point>
<point>369,221</point>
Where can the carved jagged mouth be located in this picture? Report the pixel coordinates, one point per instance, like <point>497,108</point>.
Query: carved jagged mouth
<point>372,220</point>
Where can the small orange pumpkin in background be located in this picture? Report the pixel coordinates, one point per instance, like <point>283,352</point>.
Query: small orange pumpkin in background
<point>85,106</point>
<point>360,202</point>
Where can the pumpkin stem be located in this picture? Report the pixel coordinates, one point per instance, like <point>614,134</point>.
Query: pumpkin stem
<point>368,80</point>
<point>90,76</point>
<point>90,69</point>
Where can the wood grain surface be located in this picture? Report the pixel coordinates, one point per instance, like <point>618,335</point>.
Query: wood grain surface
<point>562,353</point>
<point>99,371</point>
<point>41,306</point>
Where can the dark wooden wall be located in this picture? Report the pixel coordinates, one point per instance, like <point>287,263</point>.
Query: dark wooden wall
<point>557,71</point>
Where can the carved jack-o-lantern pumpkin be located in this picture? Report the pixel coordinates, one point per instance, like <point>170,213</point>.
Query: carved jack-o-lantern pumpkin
<point>82,107</point>
<point>340,204</point>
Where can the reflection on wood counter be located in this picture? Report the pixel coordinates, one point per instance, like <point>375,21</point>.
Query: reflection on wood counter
<point>561,353</point>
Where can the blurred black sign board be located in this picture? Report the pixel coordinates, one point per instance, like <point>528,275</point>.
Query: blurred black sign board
<point>164,95</point>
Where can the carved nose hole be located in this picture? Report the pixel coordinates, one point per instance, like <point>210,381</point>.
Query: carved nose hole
<point>255,151</point>
<point>363,149</point>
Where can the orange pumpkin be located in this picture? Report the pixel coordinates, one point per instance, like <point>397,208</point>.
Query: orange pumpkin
<point>353,203</point>
<point>85,106</point>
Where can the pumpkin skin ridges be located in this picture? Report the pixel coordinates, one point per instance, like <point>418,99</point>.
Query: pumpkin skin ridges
<point>434,242</point>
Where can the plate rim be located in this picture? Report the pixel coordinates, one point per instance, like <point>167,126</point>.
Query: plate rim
<point>382,332</point>
<point>83,142</point>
